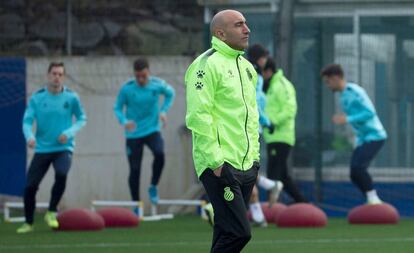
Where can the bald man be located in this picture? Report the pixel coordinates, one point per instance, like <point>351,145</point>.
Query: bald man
<point>223,117</point>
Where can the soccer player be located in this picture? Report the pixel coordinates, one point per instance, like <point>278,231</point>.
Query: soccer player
<point>53,108</point>
<point>223,117</point>
<point>257,55</point>
<point>137,109</point>
<point>281,109</point>
<point>361,115</point>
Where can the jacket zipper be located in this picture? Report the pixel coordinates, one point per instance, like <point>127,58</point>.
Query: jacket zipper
<point>218,137</point>
<point>247,111</point>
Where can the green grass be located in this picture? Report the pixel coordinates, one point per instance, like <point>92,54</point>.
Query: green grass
<point>191,234</point>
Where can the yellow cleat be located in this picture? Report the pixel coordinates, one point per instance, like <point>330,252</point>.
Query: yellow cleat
<point>209,211</point>
<point>25,228</point>
<point>51,220</point>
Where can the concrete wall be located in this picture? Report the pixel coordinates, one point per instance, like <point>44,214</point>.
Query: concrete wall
<point>100,168</point>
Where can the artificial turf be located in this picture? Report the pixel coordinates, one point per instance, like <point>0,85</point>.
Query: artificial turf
<point>191,234</point>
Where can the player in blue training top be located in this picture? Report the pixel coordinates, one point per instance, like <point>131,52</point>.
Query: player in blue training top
<point>361,115</point>
<point>137,109</point>
<point>257,55</point>
<point>53,108</point>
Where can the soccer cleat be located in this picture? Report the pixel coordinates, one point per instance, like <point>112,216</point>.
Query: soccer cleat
<point>153,194</point>
<point>372,198</point>
<point>209,211</point>
<point>51,220</point>
<point>275,192</point>
<point>260,224</point>
<point>136,211</point>
<point>25,228</point>
<point>374,201</point>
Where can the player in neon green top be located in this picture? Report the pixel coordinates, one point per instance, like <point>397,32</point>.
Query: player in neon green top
<point>281,109</point>
<point>223,117</point>
<point>221,109</point>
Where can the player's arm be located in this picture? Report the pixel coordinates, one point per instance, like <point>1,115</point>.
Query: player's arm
<point>169,95</point>
<point>286,106</point>
<point>80,116</point>
<point>263,119</point>
<point>119,107</point>
<point>28,118</point>
<point>261,101</point>
<point>361,110</point>
<point>200,91</point>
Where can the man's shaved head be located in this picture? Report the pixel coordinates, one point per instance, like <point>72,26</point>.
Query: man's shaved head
<point>230,27</point>
<point>221,19</point>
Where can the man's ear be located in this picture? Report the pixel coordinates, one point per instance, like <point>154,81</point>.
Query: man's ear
<point>220,34</point>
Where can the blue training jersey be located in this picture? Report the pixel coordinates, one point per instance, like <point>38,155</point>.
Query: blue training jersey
<point>361,114</point>
<point>140,104</point>
<point>264,121</point>
<point>53,114</point>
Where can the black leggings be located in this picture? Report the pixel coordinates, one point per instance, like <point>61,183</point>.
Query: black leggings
<point>135,149</point>
<point>38,167</point>
<point>361,158</point>
<point>277,168</point>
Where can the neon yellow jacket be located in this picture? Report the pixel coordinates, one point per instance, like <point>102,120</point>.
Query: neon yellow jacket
<point>281,109</point>
<point>221,109</point>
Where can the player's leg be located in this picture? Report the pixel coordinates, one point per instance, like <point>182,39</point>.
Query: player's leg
<point>278,154</point>
<point>156,145</point>
<point>272,172</point>
<point>135,149</point>
<point>209,211</point>
<point>62,162</point>
<point>360,161</point>
<point>37,170</point>
<point>213,186</point>
<point>249,180</point>
<point>274,187</point>
<point>256,209</point>
<point>282,163</point>
<point>231,227</point>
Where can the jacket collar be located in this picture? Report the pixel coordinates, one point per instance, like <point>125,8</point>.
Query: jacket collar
<point>64,88</point>
<point>278,75</point>
<point>223,48</point>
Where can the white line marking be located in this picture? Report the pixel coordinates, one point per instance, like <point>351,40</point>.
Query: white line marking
<point>199,243</point>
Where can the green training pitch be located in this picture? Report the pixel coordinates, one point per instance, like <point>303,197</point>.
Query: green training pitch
<point>191,234</point>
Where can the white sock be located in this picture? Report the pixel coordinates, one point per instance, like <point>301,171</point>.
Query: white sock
<point>266,183</point>
<point>257,212</point>
<point>372,196</point>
